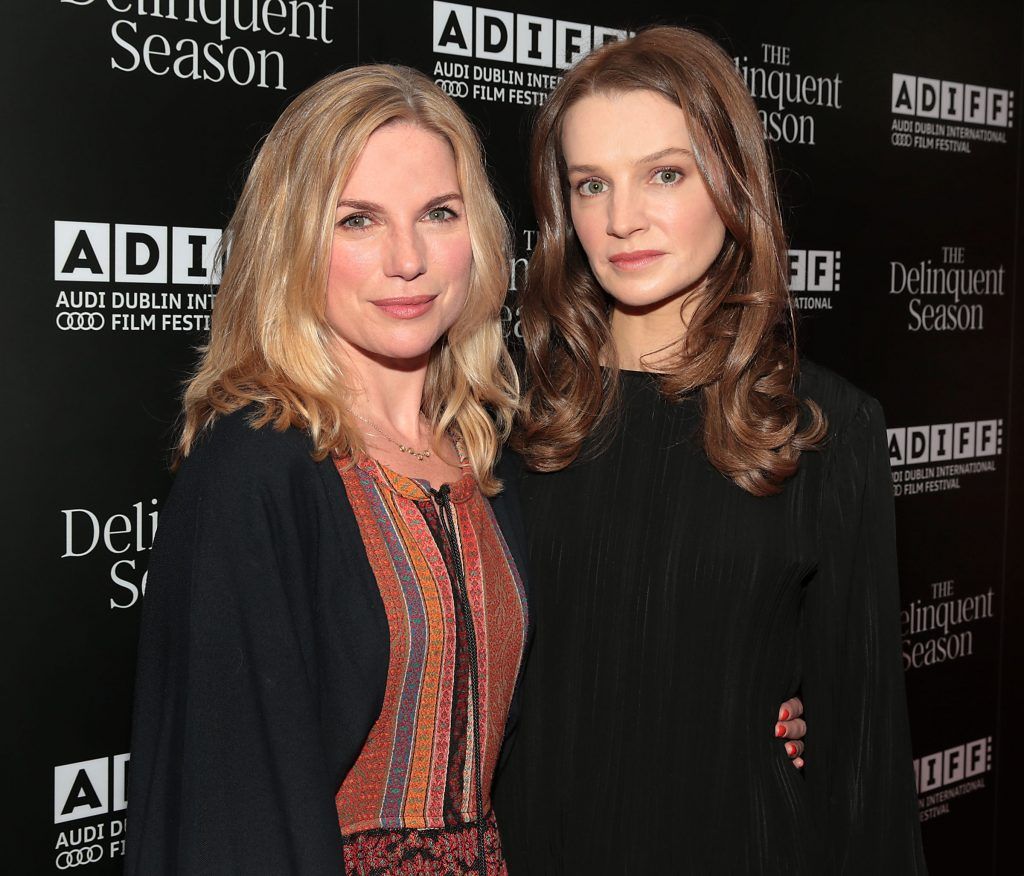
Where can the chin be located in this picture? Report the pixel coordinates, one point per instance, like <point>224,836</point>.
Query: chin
<point>632,296</point>
<point>652,293</point>
<point>407,344</point>
<point>412,353</point>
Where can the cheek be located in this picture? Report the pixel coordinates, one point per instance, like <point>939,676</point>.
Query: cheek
<point>349,269</point>
<point>454,260</point>
<point>695,225</point>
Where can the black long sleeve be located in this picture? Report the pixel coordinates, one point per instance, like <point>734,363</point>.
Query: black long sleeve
<point>257,679</point>
<point>675,613</point>
<point>860,772</point>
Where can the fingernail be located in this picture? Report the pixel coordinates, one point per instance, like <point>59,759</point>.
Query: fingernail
<point>799,763</point>
<point>780,730</point>
<point>790,749</point>
<point>784,714</point>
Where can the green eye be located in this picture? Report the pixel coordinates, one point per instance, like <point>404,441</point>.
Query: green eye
<point>668,177</point>
<point>356,222</point>
<point>440,214</point>
<point>590,187</point>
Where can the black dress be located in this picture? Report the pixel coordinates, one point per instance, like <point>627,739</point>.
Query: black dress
<point>675,613</point>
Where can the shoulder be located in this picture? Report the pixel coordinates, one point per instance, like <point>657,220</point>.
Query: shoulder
<point>509,467</point>
<point>232,451</point>
<point>254,483</point>
<point>848,409</point>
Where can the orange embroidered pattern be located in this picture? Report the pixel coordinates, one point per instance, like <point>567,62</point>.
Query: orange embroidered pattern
<point>416,771</point>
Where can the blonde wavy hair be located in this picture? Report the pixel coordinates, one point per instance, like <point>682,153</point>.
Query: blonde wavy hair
<point>270,343</point>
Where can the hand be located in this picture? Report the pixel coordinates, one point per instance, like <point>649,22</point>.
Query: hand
<point>793,728</point>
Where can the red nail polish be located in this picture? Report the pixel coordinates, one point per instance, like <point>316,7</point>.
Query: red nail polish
<point>790,749</point>
<point>780,730</point>
<point>784,715</point>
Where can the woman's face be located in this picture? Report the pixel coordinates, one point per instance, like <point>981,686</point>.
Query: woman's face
<point>639,206</point>
<point>401,256</point>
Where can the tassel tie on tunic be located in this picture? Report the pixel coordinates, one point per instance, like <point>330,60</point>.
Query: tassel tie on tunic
<point>417,799</point>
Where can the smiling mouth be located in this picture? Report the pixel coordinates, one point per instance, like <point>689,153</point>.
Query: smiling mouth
<point>407,307</point>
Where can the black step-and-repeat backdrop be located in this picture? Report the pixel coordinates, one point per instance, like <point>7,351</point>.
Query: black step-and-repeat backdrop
<point>130,123</point>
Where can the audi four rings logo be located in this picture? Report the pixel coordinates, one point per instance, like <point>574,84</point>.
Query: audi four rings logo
<point>80,321</point>
<point>78,857</point>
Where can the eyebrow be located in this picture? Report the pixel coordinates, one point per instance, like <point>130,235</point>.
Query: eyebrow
<point>373,207</point>
<point>647,159</point>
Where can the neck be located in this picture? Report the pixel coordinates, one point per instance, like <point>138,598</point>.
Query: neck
<point>646,337</point>
<point>387,391</point>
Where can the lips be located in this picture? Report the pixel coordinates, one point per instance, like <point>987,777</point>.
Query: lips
<point>636,260</point>
<point>406,307</point>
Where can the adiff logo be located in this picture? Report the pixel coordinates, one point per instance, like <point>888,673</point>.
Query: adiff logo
<point>102,252</point>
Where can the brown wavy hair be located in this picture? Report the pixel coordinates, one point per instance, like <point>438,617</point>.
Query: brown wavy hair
<point>738,352</point>
<point>270,343</point>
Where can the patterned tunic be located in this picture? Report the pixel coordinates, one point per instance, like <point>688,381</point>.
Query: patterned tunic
<point>417,799</point>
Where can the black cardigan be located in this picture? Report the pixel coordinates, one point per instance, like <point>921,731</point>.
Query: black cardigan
<point>263,659</point>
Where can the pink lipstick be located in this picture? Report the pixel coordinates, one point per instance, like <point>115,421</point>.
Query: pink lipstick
<point>635,261</point>
<point>406,307</point>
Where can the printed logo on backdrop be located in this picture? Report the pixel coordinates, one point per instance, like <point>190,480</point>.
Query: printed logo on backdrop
<point>507,57</point>
<point>123,540</point>
<point>789,102</point>
<point>946,116</point>
<point>940,628</point>
<point>511,326</point>
<point>93,792</point>
<point>134,262</point>
<point>935,458</point>
<point>945,776</point>
<point>813,278</point>
<point>137,43</point>
<point>950,296</point>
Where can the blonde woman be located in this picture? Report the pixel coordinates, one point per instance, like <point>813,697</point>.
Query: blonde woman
<point>335,618</point>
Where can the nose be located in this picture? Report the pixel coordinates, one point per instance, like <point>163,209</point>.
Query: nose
<point>626,213</point>
<point>406,255</point>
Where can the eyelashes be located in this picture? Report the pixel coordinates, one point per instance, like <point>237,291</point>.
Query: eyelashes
<point>350,221</point>
<point>438,214</point>
<point>447,213</point>
<point>672,172</point>
<point>593,186</point>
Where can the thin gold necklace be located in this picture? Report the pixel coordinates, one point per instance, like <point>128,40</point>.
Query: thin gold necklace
<point>405,448</point>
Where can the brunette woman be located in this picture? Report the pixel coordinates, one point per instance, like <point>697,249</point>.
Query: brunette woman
<point>710,516</point>
<point>335,616</point>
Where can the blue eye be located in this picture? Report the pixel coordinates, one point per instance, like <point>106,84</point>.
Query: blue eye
<point>359,220</point>
<point>441,214</point>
